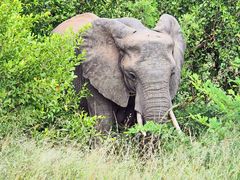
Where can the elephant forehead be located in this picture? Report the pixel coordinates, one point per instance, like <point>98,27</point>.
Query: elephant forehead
<point>144,37</point>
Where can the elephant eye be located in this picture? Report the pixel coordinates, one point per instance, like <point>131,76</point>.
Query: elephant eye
<point>131,75</point>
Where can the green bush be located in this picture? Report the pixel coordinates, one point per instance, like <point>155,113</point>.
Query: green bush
<point>36,73</point>
<point>212,34</point>
<point>49,13</point>
<point>144,10</point>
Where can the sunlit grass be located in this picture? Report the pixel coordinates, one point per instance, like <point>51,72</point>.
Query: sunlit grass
<point>26,159</point>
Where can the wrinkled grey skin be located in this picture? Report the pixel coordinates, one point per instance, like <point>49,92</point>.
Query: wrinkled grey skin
<point>131,68</point>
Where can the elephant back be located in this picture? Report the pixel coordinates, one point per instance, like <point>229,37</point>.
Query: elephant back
<point>75,23</point>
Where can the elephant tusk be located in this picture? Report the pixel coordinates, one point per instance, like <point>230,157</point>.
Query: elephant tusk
<point>139,119</point>
<point>140,122</point>
<point>174,121</point>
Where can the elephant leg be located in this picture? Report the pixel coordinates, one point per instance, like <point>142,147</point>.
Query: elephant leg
<point>126,117</point>
<point>99,105</point>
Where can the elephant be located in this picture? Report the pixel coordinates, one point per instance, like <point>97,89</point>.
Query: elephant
<point>130,69</point>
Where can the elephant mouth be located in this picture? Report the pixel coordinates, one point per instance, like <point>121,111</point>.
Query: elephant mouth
<point>141,122</point>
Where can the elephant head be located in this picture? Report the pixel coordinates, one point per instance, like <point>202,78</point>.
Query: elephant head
<point>125,58</point>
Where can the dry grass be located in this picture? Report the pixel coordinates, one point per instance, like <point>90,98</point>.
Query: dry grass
<point>26,159</point>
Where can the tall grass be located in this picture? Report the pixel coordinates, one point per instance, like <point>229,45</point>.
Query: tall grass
<point>205,159</point>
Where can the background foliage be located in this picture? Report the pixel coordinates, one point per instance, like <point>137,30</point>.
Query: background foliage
<point>36,68</point>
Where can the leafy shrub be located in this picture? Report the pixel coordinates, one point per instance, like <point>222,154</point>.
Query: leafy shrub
<point>212,34</point>
<point>49,13</point>
<point>212,31</point>
<point>149,127</point>
<point>227,105</point>
<point>36,75</point>
<point>144,10</point>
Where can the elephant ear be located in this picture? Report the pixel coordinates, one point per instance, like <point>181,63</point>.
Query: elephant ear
<point>101,66</point>
<point>169,25</point>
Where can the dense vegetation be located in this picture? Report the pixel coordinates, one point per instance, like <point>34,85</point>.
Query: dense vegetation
<point>37,99</point>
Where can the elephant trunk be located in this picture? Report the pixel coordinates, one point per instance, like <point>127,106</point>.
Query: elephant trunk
<point>157,112</point>
<point>157,102</point>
